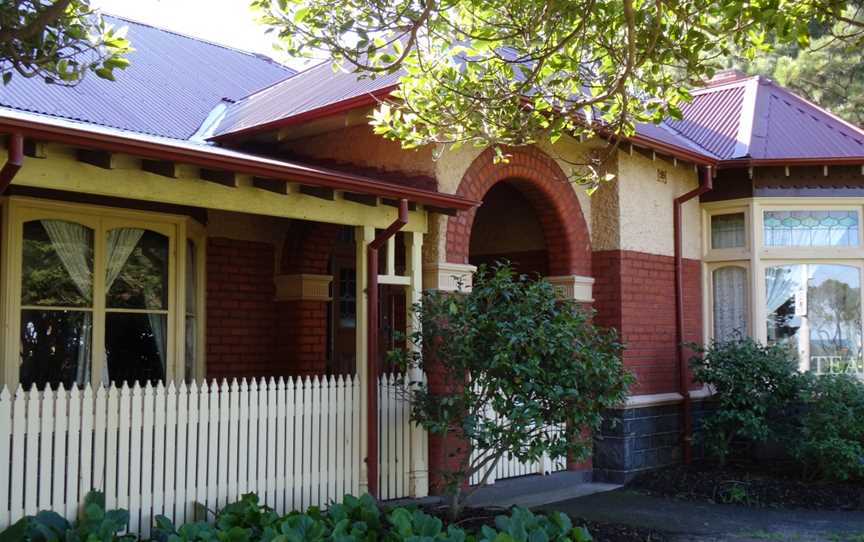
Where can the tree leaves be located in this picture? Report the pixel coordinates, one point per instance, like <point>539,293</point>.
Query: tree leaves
<point>58,41</point>
<point>515,72</point>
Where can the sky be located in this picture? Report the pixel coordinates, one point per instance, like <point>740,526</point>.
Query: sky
<point>229,22</point>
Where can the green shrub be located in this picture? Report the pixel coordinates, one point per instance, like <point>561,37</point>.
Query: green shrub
<point>522,525</point>
<point>362,520</point>
<point>94,525</point>
<point>831,445</point>
<point>532,359</point>
<point>754,386</point>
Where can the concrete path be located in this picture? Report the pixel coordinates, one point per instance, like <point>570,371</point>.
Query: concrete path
<point>532,491</point>
<point>695,521</point>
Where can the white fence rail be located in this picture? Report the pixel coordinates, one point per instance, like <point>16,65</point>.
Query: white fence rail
<point>177,451</point>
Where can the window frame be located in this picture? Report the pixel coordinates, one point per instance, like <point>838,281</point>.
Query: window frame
<point>16,210</point>
<point>196,233</point>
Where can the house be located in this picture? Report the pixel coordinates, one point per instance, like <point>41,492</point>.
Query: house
<point>208,216</point>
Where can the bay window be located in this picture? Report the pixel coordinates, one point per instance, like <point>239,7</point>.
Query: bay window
<point>804,291</point>
<point>93,295</point>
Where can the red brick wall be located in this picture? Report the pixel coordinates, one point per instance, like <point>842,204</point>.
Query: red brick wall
<point>301,336</point>
<point>635,293</point>
<point>308,247</point>
<point>241,312</point>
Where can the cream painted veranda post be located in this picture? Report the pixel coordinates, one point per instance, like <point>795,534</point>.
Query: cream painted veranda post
<point>364,236</point>
<point>419,467</point>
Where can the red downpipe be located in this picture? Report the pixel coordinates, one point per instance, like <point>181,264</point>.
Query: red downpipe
<point>706,183</point>
<point>372,344</point>
<point>14,160</point>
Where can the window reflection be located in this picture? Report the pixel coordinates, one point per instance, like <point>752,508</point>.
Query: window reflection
<point>55,348</point>
<point>728,231</point>
<point>136,279</point>
<point>56,303</point>
<point>57,264</point>
<point>191,346</point>
<point>730,303</point>
<point>136,269</point>
<point>815,309</point>
<point>834,317</point>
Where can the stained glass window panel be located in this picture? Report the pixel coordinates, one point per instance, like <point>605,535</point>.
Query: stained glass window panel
<point>811,228</point>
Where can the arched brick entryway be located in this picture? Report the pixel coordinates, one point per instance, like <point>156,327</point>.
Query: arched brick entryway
<point>566,242</point>
<point>550,193</point>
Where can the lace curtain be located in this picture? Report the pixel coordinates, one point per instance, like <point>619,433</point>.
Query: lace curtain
<point>779,286</point>
<point>71,242</point>
<point>728,231</point>
<point>730,303</point>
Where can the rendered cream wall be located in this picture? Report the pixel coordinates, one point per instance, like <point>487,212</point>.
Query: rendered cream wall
<point>645,205</point>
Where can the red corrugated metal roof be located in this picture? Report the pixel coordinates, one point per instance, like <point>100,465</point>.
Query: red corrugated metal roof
<point>755,119</point>
<point>320,91</point>
<point>735,118</point>
<point>664,134</point>
<point>312,90</point>
<point>176,81</point>
<point>712,120</point>
<point>788,126</point>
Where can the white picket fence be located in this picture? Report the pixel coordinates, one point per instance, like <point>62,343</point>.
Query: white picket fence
<point>510,467</point>
<point>394,438</point>
<point>185,451</point>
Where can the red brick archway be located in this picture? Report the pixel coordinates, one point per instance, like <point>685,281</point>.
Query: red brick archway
<point>550,193</point>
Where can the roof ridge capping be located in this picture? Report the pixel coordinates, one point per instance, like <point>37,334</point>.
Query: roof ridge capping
<point>732,77</point>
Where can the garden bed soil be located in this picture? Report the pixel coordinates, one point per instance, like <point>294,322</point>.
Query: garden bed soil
<point>758,486</point>
<point>473,520</point>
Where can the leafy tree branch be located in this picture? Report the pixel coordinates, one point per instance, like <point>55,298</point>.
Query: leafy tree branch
<point>509,73</point>
<point>58,41</point>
